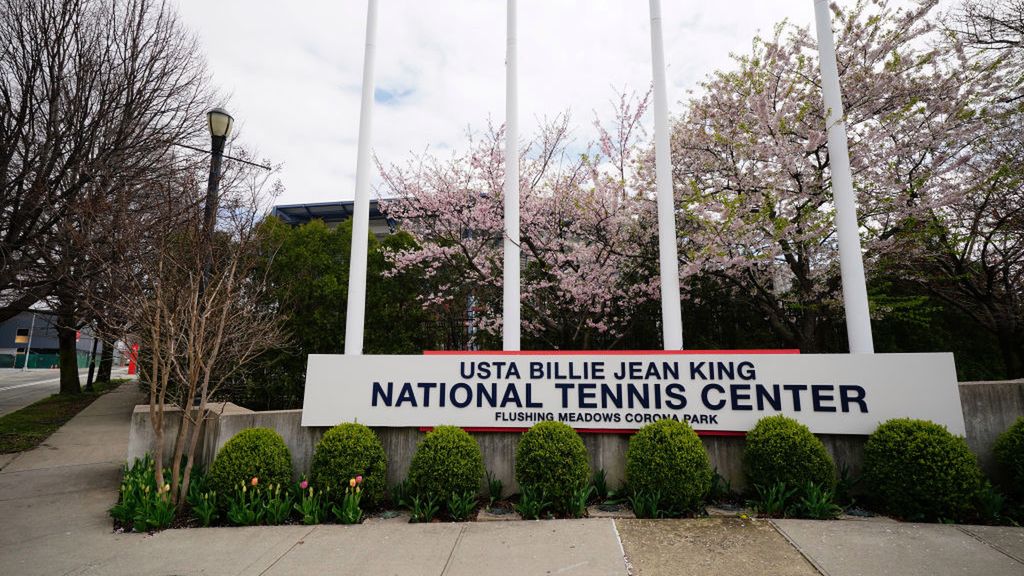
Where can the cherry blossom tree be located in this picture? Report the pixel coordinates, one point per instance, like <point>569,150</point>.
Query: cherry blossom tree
<point>584,233</point>
<point>752,176</point>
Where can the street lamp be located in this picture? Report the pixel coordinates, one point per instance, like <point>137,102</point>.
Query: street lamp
<point>220,123</point>
<point>220,127</point>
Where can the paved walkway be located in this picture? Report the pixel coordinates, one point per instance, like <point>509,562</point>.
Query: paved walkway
<point>19,388</point>
<point>53,520</point>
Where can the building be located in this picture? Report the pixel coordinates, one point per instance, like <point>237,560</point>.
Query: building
<point>332,214</point>
<point>35,333</point>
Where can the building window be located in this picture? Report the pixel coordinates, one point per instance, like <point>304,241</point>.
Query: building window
<point>22,336</point>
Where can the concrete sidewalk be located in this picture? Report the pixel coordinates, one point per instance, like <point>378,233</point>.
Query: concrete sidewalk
<point>53,520</point>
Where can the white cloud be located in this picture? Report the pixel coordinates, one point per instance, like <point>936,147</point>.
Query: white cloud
<point>293,70</point>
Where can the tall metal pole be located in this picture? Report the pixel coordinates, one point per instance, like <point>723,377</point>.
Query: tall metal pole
<point>28,347</point>
<point>671,313</point>
<point>511,300</point>
<point>851,263</point>
<point>355,316</point>
<point>210,209</point>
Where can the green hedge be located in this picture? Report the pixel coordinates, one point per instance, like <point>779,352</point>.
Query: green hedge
<point>918,470</point>
<point>346,451</point>
<point>780,449</point>
<point>447,460</point>
<point>253,452</point>
<point>1009,454</point>
<point>551,458</point>
<point>667,457</point>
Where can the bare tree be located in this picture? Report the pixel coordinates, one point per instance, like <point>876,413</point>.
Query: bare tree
<point>93,93</point>
<point>195,334</point>
<point>997,25</point>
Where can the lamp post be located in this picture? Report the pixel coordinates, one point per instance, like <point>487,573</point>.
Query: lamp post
<point>220,127</point>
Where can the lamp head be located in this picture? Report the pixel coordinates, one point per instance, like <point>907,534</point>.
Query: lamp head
<point>220,122</point>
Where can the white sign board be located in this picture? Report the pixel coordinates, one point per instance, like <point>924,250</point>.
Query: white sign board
<point>830,393</point>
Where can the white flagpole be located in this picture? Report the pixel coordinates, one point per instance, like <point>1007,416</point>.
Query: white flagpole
<point>671,313</point>
<point>851,263</point>
<point>511,301</point>
<point>354,318</point>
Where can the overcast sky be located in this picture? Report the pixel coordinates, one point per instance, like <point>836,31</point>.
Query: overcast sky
<point>291,71</point>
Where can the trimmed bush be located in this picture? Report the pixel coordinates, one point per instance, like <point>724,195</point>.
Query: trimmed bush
<point>346,451</point>
<point>780,449</point>
<point>447,460</point>
<point>259,452</point>
<point>1009,453</point>
<point>551,458</point>
<point>917,470</point>
<point>667,457</point>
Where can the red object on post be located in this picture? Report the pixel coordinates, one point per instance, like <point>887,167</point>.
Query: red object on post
<point>133,359</point>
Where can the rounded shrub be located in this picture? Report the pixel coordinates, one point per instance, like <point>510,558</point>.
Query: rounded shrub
<point>552,459</point>
<point>1009,454</point>
<point>780,449</point>
<point>346,451</point>
<point>667,457</point>
<point>253,452</point>
<point>918,470</point>
<point>447,460</point>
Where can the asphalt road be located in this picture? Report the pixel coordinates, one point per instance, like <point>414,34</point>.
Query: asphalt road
<point>19,389</point>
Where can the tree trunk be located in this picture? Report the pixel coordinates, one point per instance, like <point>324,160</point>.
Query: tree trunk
<point>67,341</point>
<point>1012,350</point>
<point>106,362</point>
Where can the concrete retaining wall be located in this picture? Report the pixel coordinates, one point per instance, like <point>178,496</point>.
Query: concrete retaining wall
<point>989,408</point>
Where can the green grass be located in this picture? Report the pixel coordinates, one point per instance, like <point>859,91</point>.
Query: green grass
<point>30,426</point>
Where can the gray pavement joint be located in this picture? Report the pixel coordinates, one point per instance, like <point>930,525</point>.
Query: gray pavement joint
<point>300,540</point>
<point>990,544</point>
<point>821,569</point>
<point>458,539</point>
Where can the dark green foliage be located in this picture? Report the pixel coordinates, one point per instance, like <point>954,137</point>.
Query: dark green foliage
<point>816,503</point>
<point>772,500</point>
<point>552,460</point>
<point>532,503</point>
<point>307,269</point>
<point>494,489</point>
<point>447,460</point>
<point>721,488</point>
<point>1009,453</point>
<point>201,499</point>
<point>991,504</point>
<point>667,457</point>
<point>845,486</point>
<point>143,505</point>
<point>645,504</point>
<point>461,506</point>
<point>204,507</point>
<point>344,452</point>
<point>780,449</point>
<point>578,501</point>
<point>254,452</point>
<point>808,501</point>
<point>917,470</point>
<point>914,319</point>
<point>423,508</point>
<point>400,494</point>
<point>600,483</point>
